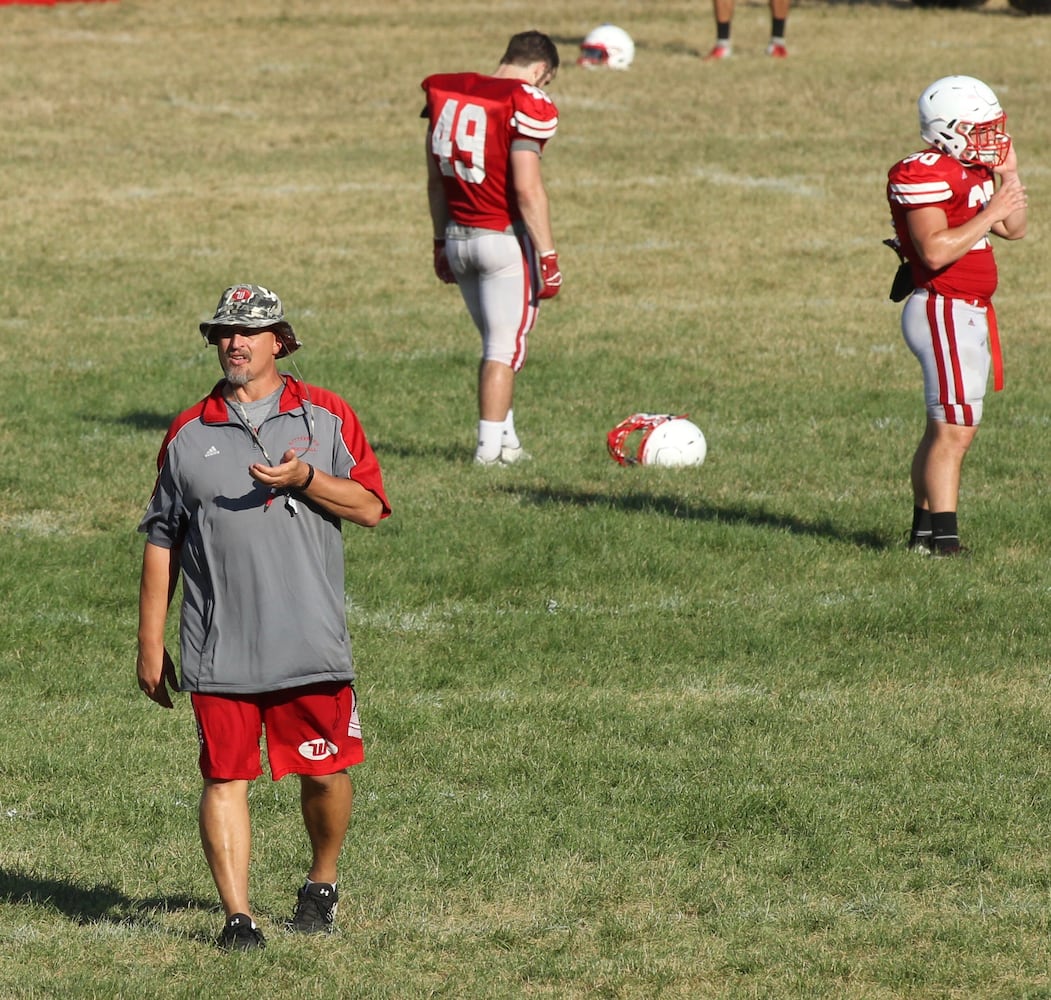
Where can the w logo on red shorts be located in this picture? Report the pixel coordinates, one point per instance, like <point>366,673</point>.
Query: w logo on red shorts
<point>317,749</point>
<point>354,727</point>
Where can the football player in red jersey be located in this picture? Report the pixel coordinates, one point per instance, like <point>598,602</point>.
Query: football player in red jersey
<point>491,218</point>
<point>945,202</point>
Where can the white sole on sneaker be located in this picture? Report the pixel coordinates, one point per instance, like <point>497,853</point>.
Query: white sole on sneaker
<point>509,456</point>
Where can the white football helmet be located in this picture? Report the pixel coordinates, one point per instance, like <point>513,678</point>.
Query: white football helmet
<point>667,440</point>
<point>962,117</point>
<point>607,45</point>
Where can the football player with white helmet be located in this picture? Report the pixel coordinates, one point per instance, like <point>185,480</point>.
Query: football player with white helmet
<point>946,201</point>
<point>490,213</point>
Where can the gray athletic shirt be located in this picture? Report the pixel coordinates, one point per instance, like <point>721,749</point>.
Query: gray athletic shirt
<point>263,604</point>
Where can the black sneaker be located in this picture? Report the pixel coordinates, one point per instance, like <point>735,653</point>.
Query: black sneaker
<point>951,551</point>
<point>241,934</point>
<point>315,910</point>
<point>920,543</point>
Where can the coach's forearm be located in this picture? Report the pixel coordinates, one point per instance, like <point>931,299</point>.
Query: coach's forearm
<point>160,570</point>
<point>344,498</point>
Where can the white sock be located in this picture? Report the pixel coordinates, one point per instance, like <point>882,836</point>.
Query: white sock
<point>490,433</point>
<point>509,437</point>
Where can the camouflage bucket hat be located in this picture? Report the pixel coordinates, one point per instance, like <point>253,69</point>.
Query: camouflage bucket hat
<point>252,307</point>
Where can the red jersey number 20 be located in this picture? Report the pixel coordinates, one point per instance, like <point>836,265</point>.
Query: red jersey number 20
<point>458,140</point>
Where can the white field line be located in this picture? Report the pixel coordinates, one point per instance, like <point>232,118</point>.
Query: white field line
<point>804,186</point>
<point>37,523</point>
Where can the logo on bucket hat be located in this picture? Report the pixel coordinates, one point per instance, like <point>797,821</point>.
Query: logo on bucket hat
<point>251,307</point>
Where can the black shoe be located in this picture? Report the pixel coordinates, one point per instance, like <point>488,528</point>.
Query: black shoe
<point>948,551</point>
<point>241,934</point>
<point>315,910</point>
<point>921,544</point>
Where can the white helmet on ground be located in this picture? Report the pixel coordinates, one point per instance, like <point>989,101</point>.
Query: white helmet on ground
<point>667,440</point>
<point>607,45</point>
<point>962,117</point>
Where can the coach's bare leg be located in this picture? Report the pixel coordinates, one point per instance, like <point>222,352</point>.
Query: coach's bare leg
<point>496,389</point>
<point>327,801</point>
<point>226,836</point>
<point>937,465</point>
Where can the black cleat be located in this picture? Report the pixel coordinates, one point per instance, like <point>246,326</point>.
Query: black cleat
<point>241,934</point>
<point>315,911</point>
<point>948,551</point>
<point>920,544</point>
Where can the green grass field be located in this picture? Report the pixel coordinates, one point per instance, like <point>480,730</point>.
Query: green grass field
<point>631,733</point>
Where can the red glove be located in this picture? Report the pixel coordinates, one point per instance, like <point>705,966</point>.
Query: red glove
<point>550,276</point>
<point>441,264</point>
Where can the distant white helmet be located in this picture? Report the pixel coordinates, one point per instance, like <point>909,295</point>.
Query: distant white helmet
<point>667,440</point>
<point>962,117</point>
<point>607,45</point>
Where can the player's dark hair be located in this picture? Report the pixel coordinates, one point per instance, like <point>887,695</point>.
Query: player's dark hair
<point>529,47</point>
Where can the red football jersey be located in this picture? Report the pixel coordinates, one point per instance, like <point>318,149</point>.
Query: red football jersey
<point>474,121</point>
<point>961,191</point>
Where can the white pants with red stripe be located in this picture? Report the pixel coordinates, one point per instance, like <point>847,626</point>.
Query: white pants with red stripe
<point>497,276</point>
<point>950,337</point>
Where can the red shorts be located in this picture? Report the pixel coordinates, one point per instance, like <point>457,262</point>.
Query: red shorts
<point>309,730</point>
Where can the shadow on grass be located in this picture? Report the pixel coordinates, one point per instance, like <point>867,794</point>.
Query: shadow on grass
<point>667,506</point>
<point>454,454</point>
<point>143,420</point>
<point>89,905</point>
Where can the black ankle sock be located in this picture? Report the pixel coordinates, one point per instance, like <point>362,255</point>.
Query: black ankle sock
<point>921,526</point>
<point>946,532</point>
<point>777,27</point>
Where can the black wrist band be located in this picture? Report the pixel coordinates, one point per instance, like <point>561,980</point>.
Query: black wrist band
<point>310,479</point>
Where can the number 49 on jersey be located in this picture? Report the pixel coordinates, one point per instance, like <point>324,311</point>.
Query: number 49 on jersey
<point>458,140</point>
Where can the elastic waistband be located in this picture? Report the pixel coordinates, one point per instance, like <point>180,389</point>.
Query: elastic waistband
<point>977,303</point>
<point>454,231</point>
